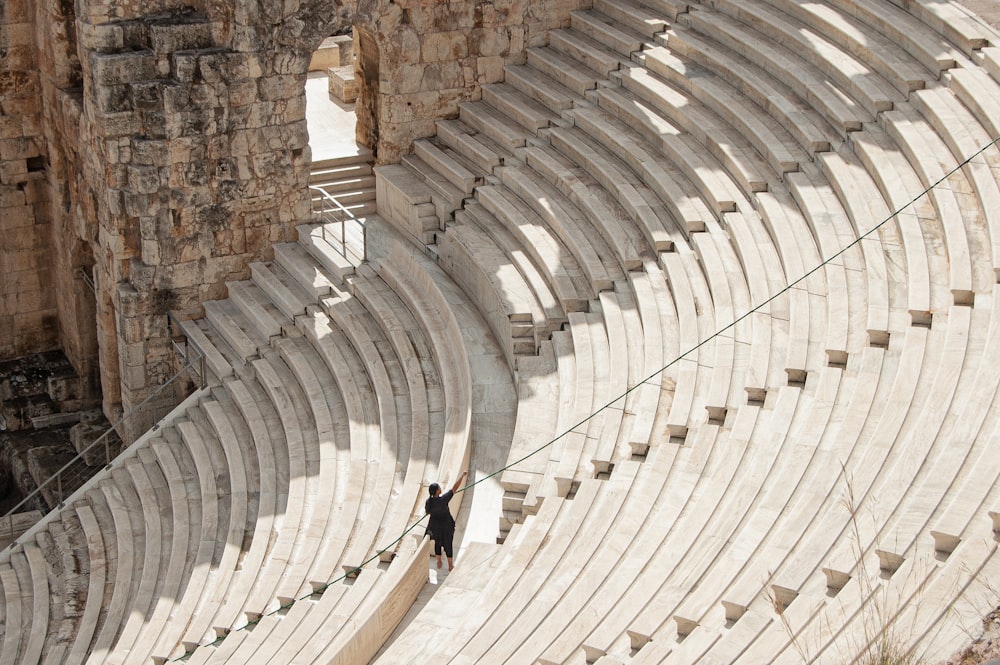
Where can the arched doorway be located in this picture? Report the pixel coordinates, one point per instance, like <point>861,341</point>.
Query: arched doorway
<point>341,182</point>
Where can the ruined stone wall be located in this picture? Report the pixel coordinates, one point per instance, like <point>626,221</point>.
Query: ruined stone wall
<point>70,198</point>
<point>151,149</point>
<point>419,59</point>
<point>27,303</point>
<point>202,151</point>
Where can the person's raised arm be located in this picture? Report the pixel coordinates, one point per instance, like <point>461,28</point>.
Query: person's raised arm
<point>458,483</point>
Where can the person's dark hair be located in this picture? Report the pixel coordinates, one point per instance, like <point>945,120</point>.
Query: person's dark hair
<point>433,489</point>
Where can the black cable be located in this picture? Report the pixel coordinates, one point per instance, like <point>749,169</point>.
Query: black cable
<point>788,287</point>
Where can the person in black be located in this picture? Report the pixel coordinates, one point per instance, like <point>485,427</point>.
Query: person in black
<point>441,526</point>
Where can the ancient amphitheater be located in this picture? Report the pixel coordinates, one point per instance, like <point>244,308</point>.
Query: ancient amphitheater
<point>701,294</point>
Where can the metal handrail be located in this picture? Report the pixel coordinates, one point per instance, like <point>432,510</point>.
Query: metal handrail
<point>57,477</point>
<point>88,279</point>
<point>174,323</point>
<point>337,206</point>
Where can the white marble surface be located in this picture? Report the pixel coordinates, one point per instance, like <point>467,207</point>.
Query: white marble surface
<point>331,123</point>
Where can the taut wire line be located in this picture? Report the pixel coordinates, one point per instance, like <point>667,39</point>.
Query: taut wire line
<point>717,333</point>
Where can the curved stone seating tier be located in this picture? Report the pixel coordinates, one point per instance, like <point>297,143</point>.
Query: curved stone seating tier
<point>643,179</point>
<point>907,31</point>
<point>546,251</point>
<point>567,223</point>
<point>479,394</point>
<point>483,269</point>
<point>855,80</point>
<point>690,214</point>
<point>638,202</point>
<point>588,198</point>
<point>964,136</point>
<point>774,137</point>
<point>930,159</point>
<point>879,51</point>
<point>421,416</point>
<point>500,592</point>
<point>767,58</point>
<point>805,120</point>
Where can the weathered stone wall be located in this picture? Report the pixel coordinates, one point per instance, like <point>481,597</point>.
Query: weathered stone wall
<point>170,149</point>
<point>203,154</point>
<point>433,55</point>
<point>27,302</point>
<point>70,198</point>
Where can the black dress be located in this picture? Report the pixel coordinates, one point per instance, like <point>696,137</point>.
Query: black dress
<point>441,526</point>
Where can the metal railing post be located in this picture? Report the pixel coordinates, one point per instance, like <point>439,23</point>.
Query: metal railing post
<point>332,205</point>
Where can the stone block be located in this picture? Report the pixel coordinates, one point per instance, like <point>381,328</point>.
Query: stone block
<point>96,442</point>
<point>114,98</point>
<point>170,37</point>
<point>341,83</point>
<point>44,461</point>
<point>16,148</point>
<point>449,46</point>
<point>144,179</point>
<point>126,123</point>
<point>117,68</point>
<point>150,152</point>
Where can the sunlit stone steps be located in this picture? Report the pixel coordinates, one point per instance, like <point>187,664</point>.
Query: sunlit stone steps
<point>512,103</point>
<point>565,72</point>
<point>646,211</point>
<point>591,516</point>
<point>475,147</point>
<point>482,588</point>
<point>467,253</point>
<point>762,65</point>
<point>784,133</point>
<point>763,88</point>
<point>907,32</point>
<point>667,184</point>
<point>546,250</point>
<point>597,583</point>
<point>499,128</point>
<point>964,135</point>
<point>348,179</point>
<point>605,30</point>
<point>534,430</point>
<point>294,259</point>
<point>917,222</point>
<point>620,584</point>
<point>929,157</point>
<point>596,207</point>
<point>854,79</point>
<point>877,50</point>
<point>665,117</point>
<point>332,246</point>
<point>567,223</point>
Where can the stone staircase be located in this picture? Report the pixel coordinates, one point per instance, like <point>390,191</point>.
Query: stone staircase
<point>348,179</point>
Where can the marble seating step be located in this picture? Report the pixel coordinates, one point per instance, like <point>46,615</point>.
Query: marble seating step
<point>568,72</point>
<point>581,48</point>
<point>509,305</point>
<point>781,131</point>
<point>809,84</point>
<point>566,221</point>
<point>874,49</point>
<point>546,249</point>
<point>281,289</point>
<point>646,211</point>
<point>471,145</point>
<point>601,211</point>
<point>606,30</point>
<point>850,73</point>
<point>671,120</point>
<point>295,260</point>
